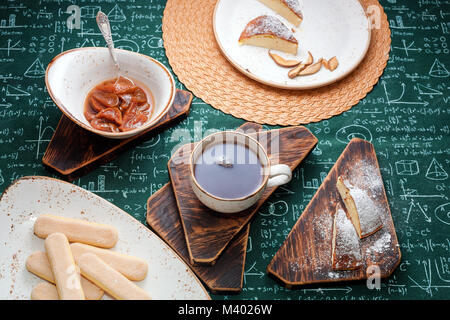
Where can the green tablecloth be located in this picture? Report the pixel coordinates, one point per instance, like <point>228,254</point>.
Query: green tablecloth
<point>406,117</point>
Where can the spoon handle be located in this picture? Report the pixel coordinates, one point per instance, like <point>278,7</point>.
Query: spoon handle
<point>105,29</point>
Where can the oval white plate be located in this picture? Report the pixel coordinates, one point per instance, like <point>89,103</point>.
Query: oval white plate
<point>329,28</point>
<point>27,198</point>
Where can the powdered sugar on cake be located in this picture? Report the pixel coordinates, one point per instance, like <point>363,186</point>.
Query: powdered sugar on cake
<point>294,5</point>
<point>368,210</point>
<point>369,177</point>
<point>381,245</point>
<point>268,25</point>
<point>347,246</point>
<point>365,187</point>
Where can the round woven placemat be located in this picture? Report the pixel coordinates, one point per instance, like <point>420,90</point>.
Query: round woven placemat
<point>197,60</point>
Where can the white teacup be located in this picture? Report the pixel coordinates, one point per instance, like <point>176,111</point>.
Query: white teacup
<point>271,175</point>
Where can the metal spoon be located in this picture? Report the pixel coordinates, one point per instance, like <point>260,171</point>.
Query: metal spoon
<point>105,29</point>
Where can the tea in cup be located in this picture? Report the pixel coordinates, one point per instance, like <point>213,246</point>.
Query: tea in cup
<point>229,171</point>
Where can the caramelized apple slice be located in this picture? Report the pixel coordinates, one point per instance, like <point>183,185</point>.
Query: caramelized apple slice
<point>108,99</point>
<point>143,107</point>
<point>107,86</point>
<point>101,124</point>
<point>133,118</point>
<point>139,96</point>
<point>95,105</point>
<point>112,115</point>
<point>136,121</point>
<point>124,85</point>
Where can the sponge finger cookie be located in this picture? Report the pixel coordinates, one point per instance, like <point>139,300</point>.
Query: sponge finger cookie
<point>67,278</point>
<point>38,264</point>
<point>44,291</point>
<point>77,230</point>
<point>131,267</point>
<point>110,280</point>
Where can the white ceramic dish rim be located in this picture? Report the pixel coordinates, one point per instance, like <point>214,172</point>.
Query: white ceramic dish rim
<point>119,135</point>
<point>287,86</point>
<point>133,221</point>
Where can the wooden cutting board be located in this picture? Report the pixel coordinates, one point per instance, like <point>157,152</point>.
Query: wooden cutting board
<point>226,275</point>
<point>208,232</point>
<point>74,151</point>
<point>305,255</point>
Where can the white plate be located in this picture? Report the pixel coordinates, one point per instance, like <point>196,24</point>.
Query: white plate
<point>168,276</point>
<point>329,28</point>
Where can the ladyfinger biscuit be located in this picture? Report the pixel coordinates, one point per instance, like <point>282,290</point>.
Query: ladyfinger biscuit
<point>44,291</point>
<point>76,230</point>
<point>38,264</point>
<point>131,267</point>
<point>110,280</point>
<point>67,278</point>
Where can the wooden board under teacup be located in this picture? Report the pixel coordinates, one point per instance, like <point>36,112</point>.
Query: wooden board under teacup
<point>74,151</point>
<point>226,275</point>
<point>305,256</point>
<point>208,232</point>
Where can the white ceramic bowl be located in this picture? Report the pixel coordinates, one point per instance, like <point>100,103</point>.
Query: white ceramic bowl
<point>72,74</point>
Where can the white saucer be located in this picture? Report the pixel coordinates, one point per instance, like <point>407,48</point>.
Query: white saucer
<point>329,28</point>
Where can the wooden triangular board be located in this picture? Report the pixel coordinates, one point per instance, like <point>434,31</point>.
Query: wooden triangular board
<point>74,151</point>
<point>226,275</point>
<point>305,255</point>
<point>208,232</point>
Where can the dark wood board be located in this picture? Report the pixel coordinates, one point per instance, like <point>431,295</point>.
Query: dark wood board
<point>305,255</point>
<point>74,151</point>
<point>226,275</point>
<point>208,232</point>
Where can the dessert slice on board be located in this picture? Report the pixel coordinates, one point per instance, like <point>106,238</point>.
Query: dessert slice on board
<point>363,211</point>
<point>346,246</point>
<point>306,255</point>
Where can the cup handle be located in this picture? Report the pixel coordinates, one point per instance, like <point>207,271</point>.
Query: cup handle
<point>279,174</point>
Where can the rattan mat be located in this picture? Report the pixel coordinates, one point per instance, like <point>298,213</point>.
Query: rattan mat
<point>197,60</point>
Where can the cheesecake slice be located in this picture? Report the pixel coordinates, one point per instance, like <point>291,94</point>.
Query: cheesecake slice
<point>288,9</point>
<point>269,32</point>
<point>363,212</point>
<point>346,245</point>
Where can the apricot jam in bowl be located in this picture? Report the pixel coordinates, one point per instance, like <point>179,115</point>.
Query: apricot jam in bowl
<point>85,85</point>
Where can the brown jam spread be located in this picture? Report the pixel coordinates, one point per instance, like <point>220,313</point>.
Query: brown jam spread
<point>118,105</point>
